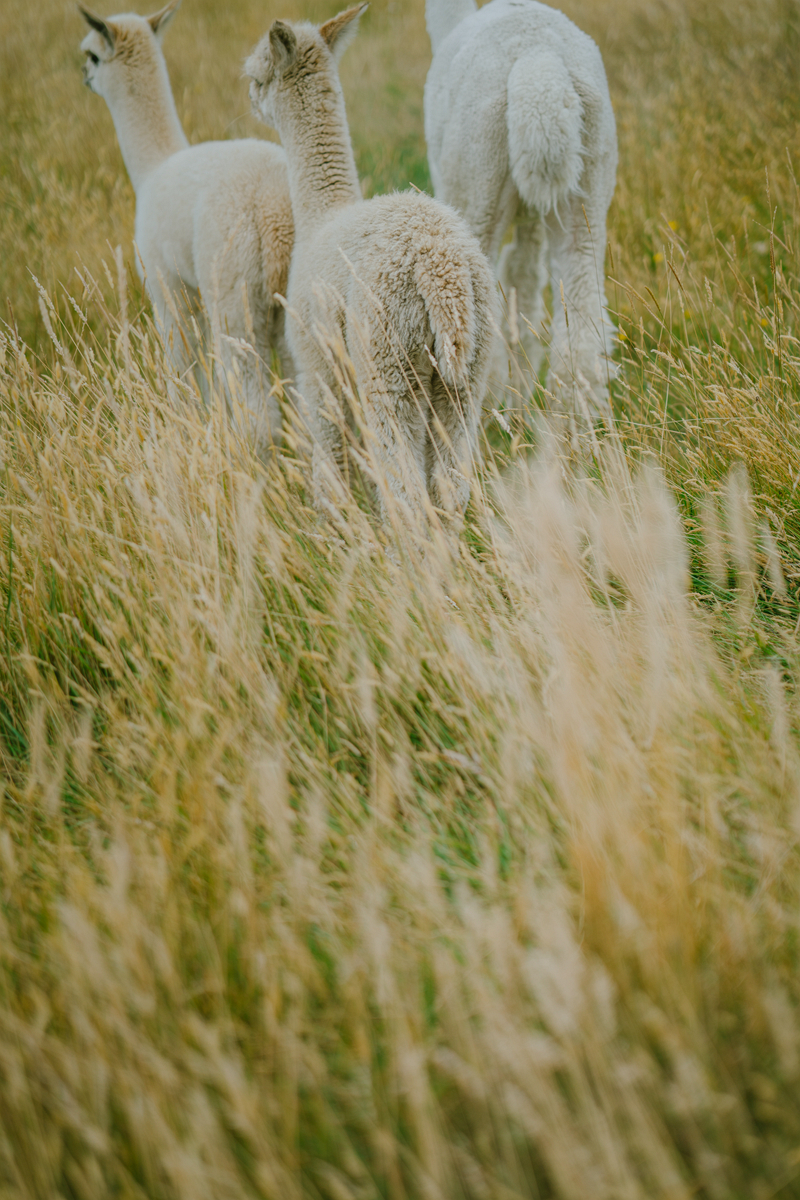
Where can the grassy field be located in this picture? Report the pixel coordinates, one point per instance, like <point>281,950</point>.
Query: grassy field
<point>332,871</point>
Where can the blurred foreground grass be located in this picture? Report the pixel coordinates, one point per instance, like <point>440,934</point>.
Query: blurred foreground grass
<point>333,872</point>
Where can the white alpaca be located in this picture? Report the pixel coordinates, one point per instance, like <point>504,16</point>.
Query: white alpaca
<point>213,221</point>
<point>520,130</point>
<point>400,277</point>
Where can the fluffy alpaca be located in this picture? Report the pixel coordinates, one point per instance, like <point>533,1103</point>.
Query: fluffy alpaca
<point>213,221</point>
<point>520,130</point>
<point>400,278</point>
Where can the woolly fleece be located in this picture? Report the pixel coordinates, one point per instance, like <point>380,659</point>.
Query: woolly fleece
<point>521,131</point>
<point>398,280</point>
<point>214,228</point>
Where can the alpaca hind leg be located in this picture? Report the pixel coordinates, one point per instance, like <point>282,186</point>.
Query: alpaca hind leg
<point>180,321</point>
<point>582,331</point>
<point>258,409</point>
<point>397,424</point>
<point>241,325</point>
<point>490,207</point>
<point>394,415</point>
<point>487,198</point>
<point>451,448</point>
<point>522,275</point>
<point>248,381</point>
<point>279,342</point>
<point>324,418</point>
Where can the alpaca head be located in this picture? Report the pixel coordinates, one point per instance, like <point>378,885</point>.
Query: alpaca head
<point>115,46</point>
<point>292,51</point>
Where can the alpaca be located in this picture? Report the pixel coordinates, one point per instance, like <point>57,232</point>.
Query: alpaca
<point>398,279</point>
<point>214,223</point>
<point>520,129</point>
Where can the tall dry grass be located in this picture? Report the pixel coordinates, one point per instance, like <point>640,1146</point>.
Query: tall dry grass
<point>326,872</point>
<point>330,868</point>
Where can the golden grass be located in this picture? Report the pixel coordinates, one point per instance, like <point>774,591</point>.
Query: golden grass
<point>330,870</point>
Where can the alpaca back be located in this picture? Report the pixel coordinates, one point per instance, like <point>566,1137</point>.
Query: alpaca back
<point>410,264</point>
<point>218,214</point>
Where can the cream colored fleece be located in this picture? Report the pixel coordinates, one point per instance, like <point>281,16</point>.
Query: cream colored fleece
<point>521,132</point>
<point>214,227</point>
<point>399,279</point>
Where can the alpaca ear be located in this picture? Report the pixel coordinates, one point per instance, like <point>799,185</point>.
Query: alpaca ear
<point>159,21</point>
<point>338,33</point>
<point>283,44</point>
<point>99,24</point>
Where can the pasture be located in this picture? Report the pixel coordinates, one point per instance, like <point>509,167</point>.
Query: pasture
<point>329,870</point>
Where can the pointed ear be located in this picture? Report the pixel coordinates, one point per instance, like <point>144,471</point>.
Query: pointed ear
<point>99,24</point>
<point>338,33</point>
<point>283,43</point>
<point>159,21</point>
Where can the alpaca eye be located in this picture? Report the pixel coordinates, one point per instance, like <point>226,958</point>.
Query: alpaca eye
<point>92,57</point>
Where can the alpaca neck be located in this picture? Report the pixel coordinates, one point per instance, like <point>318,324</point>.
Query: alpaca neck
<point>442,16</point>
<point>146,120</point>
<point>321,167</point>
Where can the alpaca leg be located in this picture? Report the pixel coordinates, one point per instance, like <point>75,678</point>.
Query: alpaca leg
<point>523,269</point>
<point>451,447</point>
<point>489,214</point>
<point>245,356</point>
<point>279,342</point>
<point>453,441</point>
<point>177,313</point>
<point>395,415</point>
<point>582,332</point>
<point>397,423</point>
<point>240,311</point>
<point>325,420</point>
<point>489,206</point>
<point>261,414</point>
<point>480,187</point>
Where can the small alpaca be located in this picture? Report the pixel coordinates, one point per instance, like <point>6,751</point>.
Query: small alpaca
<point>520,130</point>
<point>213,221</point>
<point>399,279</point>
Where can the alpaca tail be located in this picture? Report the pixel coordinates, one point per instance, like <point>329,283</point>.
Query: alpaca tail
<point>545,124</point>
<point>444,281</point>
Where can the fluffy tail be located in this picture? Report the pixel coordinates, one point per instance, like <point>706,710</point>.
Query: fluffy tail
<point>545,123</point>
<point>444,282</point>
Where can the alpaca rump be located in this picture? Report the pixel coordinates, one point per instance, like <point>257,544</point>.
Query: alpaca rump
<point>418,331</point>
<point>399,279</point>
<point>214,229</point>
<point>521,133</point>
